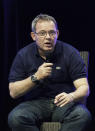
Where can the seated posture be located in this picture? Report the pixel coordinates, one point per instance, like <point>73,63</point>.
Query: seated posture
<point>51,77</point>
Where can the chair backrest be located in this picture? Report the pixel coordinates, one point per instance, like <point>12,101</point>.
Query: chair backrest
<point>85,57</point>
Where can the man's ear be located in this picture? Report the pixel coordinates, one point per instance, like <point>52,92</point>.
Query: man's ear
<point>33,36</point>
<point>57,34</point>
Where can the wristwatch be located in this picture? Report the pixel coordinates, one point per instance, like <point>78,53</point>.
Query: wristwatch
<point>34,79</point>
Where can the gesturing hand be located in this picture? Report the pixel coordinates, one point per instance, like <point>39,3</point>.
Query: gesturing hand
<point>44,71</point>
<point>63,98</point>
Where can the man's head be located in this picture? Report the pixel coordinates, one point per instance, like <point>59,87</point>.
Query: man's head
<point>45,32</point>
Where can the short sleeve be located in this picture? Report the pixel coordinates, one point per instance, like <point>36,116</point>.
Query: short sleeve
<point>17,71</point>
<point>77,67</point>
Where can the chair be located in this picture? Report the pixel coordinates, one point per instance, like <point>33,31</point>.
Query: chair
<point>55,126</point>
<point>50,126</point>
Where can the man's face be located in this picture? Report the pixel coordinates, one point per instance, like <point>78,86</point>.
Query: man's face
<point>45,36</point>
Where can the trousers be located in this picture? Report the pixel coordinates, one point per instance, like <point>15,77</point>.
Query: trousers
<point>29,115</point>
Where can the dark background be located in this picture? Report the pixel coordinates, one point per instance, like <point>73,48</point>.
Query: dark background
<point>76,24</point>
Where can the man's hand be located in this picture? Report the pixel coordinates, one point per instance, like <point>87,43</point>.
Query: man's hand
<point>44,71</point>
<point>63,99</point>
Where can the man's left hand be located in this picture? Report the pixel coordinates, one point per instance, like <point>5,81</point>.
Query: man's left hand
<point>63,99</point>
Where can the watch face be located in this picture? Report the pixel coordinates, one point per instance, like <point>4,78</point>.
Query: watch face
<point>34,79</point>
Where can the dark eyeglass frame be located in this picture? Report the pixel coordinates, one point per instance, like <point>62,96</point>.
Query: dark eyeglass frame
<point>52,33</point>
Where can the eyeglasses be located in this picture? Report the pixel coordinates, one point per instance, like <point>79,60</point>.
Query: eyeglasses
<point>51,33</point>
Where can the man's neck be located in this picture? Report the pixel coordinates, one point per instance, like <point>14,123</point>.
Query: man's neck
<point>44,54</point>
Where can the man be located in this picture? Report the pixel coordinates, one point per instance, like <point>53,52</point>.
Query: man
<point>51,76</point>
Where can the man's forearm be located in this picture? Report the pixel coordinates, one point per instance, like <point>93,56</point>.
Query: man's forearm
<point>80,93</point>
<point>82,89</point>
<point>20,88</point>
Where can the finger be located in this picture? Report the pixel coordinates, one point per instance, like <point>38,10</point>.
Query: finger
<point>49,68</point>
<point>59,95</point>
<point>61,102</point>
<point>48,64</point>
<point>60,99</point>
<point>64,104</point>
<point>68,97</point>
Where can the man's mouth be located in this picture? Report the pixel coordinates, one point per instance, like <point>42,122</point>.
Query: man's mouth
<point>48,44</point>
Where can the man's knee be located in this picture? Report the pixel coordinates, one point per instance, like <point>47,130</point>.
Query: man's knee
<point>85,116</point>
<point>13,119</point>
<point>78,113</point>
<point>19,117</point>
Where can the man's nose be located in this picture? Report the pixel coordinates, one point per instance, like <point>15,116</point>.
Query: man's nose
<point>47,35</point>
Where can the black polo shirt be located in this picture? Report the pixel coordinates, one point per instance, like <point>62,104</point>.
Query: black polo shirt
<point>67,67</point>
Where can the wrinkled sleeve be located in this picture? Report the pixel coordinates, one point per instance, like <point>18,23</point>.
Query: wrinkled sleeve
<point>77,67</point>
<point>17,71</point>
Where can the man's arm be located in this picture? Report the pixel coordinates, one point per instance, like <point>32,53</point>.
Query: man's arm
<point>82,89</point>
<point>20,88</point>
<point>81,92</point>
